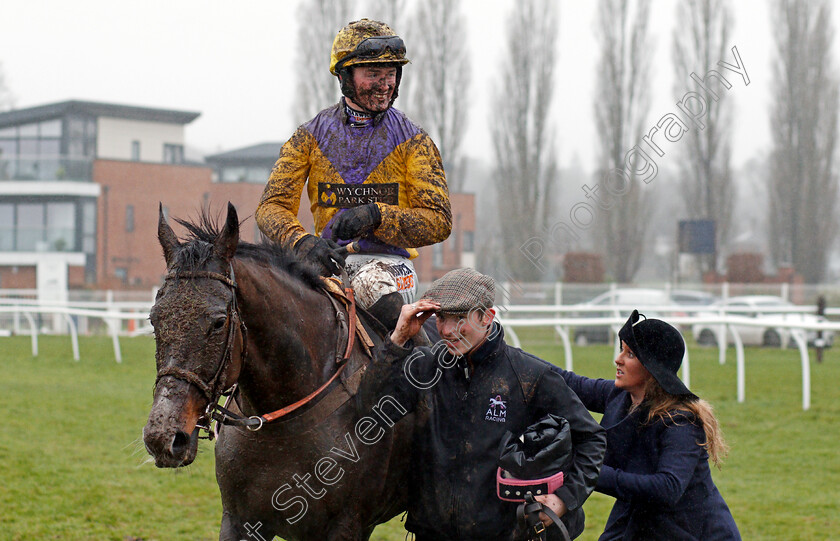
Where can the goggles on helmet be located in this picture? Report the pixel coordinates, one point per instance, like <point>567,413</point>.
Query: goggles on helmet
<point>374,47</point>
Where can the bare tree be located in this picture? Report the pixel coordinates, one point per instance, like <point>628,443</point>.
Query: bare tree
<point>707,187</point>
<point>7,99</point>
<point>522,132</point>
<point>803,180</point>
<point>438,80</point>
<point>318,23</point>
<point>620,108</point>
<point>391,12</point>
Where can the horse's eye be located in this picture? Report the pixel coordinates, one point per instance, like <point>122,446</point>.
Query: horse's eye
<point>219,323</point>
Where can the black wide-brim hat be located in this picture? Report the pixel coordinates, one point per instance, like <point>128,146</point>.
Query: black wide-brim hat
<point>660,348</point>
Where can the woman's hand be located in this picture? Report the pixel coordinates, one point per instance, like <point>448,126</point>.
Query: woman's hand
<point>412,317</point>
<point>553,502</point>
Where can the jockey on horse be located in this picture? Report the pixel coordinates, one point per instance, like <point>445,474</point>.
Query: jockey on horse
<point>375,180</point>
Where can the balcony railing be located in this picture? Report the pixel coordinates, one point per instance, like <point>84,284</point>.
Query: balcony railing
<point>46,168</point>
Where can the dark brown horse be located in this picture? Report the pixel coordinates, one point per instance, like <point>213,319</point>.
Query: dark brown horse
<point>231,312</point>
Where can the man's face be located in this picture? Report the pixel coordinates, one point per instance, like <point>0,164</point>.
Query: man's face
<point>374,87</point>
<point>463,333</point>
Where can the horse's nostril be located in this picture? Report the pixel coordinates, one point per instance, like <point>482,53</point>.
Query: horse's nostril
<point>180,443</point>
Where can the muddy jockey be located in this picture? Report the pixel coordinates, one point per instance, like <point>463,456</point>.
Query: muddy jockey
<point>375,180</point>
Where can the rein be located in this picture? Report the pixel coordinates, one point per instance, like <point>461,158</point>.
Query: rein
<point>221,414</point>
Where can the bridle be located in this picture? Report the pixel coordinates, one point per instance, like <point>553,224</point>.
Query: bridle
<point>216,388</point>
<point>213,391</point>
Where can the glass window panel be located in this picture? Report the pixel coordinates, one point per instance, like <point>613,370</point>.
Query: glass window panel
<point>61,226</point>
<point>88,245</point>
<point>28,148</point>
<point>30,227</point>
<point>233,174</point>
<point>9,132</point>
<point>51,128</point>
<point>129,218</point>
<point>61,215</point>
<point>28,130</point>
<point>76,147</point>
<point>7,227</point>
<point>8,148</point>
<point>89,218</point>
<point>50,147</point>
<point>76,127</point>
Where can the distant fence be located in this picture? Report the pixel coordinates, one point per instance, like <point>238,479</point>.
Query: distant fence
<point>22,314</point>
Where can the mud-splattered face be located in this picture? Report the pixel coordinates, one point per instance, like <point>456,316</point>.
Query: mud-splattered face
<point>374,87</point>
<point>462,333</point>
<point>191,327</point>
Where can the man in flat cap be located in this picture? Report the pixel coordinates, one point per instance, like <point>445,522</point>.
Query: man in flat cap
<point>466,392</point>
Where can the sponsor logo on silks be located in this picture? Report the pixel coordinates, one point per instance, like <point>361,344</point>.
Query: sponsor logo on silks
<point>351,195</point>
<point>497,410</point>
<point>403,276</point>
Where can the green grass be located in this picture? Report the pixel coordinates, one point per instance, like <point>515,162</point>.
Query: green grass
<point>72,463</point>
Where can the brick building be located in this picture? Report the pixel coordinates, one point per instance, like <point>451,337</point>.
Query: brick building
<point>80,184</point>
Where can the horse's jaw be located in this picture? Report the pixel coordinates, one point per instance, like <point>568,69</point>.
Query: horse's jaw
<point>171,435</point>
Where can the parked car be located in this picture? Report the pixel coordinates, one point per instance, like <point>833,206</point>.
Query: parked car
<point>692,299</point>
<point>760,307</point>
<point>627,299</point>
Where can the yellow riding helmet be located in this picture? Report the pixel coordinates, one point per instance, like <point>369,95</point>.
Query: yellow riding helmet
<point>366,42</point>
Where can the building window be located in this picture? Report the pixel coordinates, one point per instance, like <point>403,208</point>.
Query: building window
<point>258,175</point>
<point>467,241</point>
<point>32,152</point>
<point>61,227</point>
<point>437,255</point>
<point>129,219</point>
<point>135,151</point>
<point>7,227</point>
<point>173,153</point>
<point>121,273</point>
<point>38,227</point>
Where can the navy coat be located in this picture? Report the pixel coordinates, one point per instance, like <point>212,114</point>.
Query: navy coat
<point>657,472</point>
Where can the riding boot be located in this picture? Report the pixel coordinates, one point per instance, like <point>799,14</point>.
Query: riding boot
<point>387,309</point>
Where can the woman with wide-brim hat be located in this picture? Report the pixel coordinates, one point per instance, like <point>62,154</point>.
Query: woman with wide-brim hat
<point>660,437</point>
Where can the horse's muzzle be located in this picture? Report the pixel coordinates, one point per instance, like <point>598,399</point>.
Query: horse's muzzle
<point>171,435</point>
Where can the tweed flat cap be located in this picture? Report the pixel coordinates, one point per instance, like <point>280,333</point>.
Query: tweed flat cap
<point>461,291</point>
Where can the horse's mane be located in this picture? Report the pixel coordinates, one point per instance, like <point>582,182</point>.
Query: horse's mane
<point>202,232</point>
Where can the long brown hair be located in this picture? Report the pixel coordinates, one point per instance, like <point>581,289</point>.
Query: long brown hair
<point>661,404</point>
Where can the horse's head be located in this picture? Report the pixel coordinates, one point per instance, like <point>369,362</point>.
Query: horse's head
<point>198,339</point>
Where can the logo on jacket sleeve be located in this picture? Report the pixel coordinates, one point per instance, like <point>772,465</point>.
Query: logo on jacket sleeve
<point>497,410</point>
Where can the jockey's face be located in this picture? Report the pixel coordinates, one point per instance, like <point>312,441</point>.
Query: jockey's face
<point>463,333</point>
<point>374,87</point>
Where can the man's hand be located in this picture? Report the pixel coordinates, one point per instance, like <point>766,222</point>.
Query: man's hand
<point>323,252</point>
<point>553,502</point>
<point>356,222</point>
<point>412,317</point>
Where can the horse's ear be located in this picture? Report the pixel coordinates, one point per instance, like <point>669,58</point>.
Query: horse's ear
<point>227,241</point>
<point>167,237</point>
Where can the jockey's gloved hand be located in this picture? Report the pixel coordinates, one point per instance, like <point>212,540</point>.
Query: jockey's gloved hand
<point>323,252</point>
<point>356,222</point>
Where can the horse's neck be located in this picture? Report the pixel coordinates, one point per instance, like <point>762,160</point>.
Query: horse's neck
<point>291,338</point>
